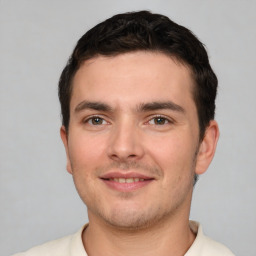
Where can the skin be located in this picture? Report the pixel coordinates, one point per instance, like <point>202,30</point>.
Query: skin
<point>133,115</point>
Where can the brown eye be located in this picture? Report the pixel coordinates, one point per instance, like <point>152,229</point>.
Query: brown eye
<point>160,120</point>
<point>96,121</point>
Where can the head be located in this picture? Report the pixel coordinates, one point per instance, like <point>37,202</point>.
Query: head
<point>144,31</point>
<point>137,99</point>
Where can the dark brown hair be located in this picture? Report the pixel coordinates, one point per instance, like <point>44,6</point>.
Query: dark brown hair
<point>145,31</point>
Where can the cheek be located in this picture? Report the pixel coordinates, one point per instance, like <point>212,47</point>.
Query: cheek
<point>85,151</point>
<point>173,154</point>
<point>170,148</point>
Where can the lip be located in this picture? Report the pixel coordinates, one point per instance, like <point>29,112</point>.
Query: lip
<point>127,175</point>
<point>126,187</point>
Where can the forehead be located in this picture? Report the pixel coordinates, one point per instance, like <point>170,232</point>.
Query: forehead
<point>132,78</point>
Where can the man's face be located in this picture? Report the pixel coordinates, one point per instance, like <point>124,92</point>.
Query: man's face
<point>133,138</point>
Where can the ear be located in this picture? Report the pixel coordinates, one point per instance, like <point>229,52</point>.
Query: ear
<point>64,138</point>
<point>207,147</point>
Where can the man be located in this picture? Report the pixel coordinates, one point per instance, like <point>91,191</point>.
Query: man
<point>138,100</point>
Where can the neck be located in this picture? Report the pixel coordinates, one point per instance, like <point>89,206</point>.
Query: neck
<point>163,238</point>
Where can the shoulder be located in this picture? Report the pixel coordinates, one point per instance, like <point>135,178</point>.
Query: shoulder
<point>213,248</point>
<point>66,246</point>
<point>56,247</point>
<point>205,246</point>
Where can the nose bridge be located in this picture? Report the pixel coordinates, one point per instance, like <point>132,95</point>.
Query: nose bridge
<point>125,140</point>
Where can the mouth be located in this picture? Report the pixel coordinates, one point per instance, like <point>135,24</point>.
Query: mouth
<point>126,182</point>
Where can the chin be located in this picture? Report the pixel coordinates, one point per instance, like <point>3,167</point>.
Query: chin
<point>128,219</point>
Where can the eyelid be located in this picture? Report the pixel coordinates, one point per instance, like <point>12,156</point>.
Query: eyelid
<point>149,118</point>
<point>170,120</point>
<point>88,118</point>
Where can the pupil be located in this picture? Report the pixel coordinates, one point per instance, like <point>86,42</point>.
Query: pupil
<point>159,120</point>
<point>97,120</point>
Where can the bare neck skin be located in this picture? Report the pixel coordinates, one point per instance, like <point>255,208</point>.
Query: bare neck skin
<point>170,236</point>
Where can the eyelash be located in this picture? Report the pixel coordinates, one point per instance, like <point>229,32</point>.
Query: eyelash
<point>87,120</point>
<point>163,118</point>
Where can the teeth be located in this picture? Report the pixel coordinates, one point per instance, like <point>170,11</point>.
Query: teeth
<point>129,180</point>
<point>121,180</point>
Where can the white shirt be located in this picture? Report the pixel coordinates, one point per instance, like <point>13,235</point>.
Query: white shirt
<point>73,246</point>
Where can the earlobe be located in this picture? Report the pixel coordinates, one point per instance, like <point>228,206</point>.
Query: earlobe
<point>207,147</point>
<point>64,138</point>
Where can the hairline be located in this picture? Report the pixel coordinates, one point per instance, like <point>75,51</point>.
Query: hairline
<point>178,60</point>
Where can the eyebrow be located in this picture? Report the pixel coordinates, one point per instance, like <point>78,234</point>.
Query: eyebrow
<point>144,107</point>
<point>93,105</point>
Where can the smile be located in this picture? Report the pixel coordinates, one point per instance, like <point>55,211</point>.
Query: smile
<point>123,180</point>
<point>126,182</point>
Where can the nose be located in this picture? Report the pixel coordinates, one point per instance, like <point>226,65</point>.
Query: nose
<point>125,143</point>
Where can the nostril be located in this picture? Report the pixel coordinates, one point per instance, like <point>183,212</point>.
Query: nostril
<point>122,148</point>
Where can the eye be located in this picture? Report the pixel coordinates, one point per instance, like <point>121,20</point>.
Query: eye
<point>95,120</point>
<point>159,120</point>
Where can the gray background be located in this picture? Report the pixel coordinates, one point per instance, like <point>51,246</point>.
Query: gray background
<point>38,199</point>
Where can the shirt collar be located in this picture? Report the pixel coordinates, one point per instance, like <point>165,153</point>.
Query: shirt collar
<point>77,247</point>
